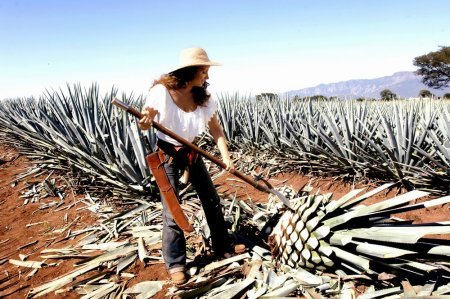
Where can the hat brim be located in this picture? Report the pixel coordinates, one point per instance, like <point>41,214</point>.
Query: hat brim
<point>209,63</point>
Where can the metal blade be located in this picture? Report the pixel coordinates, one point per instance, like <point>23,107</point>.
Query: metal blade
<point>283,199</point>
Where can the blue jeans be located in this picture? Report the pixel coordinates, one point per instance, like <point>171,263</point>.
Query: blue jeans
<point>173,241</point>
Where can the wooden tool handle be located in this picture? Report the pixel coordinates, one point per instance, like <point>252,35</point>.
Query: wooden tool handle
<point>195,148</point>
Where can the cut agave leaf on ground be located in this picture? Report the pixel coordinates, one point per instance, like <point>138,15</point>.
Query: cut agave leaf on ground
<point>104,246</point>
<point>288,288</point>
<point>28,264</point>
<point>102,291</point>
<point>227,261</point>
<point>110,255</point>
<point>145,289</point>
<point>124,262</point>
<point>235,289</point>
<point>191,290</point>
<point>60,282</point>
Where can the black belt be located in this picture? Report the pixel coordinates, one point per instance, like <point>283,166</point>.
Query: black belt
<point>178,152</point>
<point>168,148</point>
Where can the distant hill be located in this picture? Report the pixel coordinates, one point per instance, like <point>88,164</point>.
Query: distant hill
<point>404,84</point>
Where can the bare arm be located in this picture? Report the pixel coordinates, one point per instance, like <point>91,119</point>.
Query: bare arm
<point>219,137</point>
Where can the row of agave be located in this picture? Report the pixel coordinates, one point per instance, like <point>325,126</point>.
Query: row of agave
<point>405,141</point>
<point>83,130</point>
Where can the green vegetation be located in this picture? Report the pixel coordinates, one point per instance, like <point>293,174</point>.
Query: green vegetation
<point>267,96</point>
<point>387,95</point>
<point>424,93</point>
<point>434,68</point>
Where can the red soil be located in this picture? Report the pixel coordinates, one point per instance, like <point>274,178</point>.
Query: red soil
<point>14,216</point>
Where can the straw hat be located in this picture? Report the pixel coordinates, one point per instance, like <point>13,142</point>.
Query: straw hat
<point>193,57</point>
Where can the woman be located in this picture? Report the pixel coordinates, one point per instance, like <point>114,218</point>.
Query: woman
<point>180,102</point>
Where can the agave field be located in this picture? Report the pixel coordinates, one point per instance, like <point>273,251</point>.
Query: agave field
<point>405,141</point>
<point>317,249</point>
<point>401,141</point>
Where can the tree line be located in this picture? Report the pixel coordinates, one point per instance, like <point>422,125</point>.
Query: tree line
<point>434,68</point>
<point>385,95</point>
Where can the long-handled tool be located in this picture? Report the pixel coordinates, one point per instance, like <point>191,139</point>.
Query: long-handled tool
<point>267,188</point>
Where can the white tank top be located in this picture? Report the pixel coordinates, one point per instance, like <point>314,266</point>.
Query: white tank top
<point>186,124</point>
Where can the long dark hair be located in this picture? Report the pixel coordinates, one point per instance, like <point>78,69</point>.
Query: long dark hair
<point>180,78</point>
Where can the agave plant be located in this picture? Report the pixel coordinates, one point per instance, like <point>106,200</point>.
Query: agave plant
<point>405,141</point>
<point>322,234</point>
<point>80,130</point>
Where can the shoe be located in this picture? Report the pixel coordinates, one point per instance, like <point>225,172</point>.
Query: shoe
<point>178,278</point>
<point>236,249</point>
<point>239,248</point>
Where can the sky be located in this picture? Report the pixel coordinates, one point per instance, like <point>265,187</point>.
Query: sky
<point>264,46</point>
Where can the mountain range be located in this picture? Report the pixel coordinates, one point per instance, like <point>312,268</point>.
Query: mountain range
<point>404,84</point>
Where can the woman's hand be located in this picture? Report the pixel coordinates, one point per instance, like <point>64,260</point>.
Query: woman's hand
<point>145,122</point>
<point>228,162</point>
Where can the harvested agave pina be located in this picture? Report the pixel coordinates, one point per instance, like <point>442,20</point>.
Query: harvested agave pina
<point>347,235</point>
<point>295,240</point>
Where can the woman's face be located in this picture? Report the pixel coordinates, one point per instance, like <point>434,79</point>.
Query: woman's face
<point>201,77</point>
